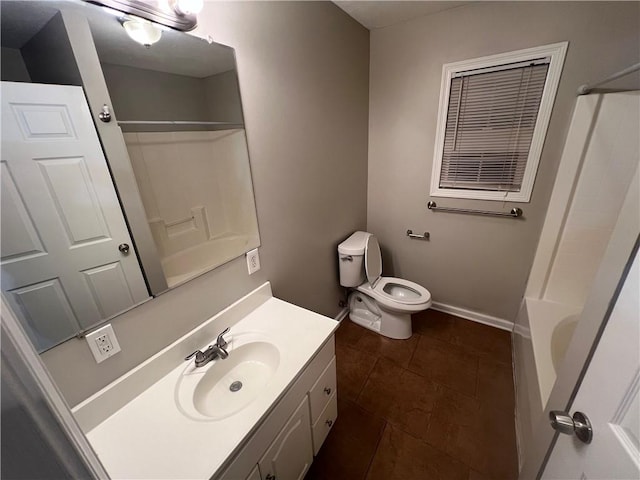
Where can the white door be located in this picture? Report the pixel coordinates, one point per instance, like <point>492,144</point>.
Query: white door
<point>608,395</point>
<point>62,270</point>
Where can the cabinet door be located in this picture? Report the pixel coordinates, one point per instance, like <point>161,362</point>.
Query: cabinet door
<point>291,454</point>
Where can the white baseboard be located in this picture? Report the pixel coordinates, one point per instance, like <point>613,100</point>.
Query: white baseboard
<point>341,314</point>
<point>474,316</point>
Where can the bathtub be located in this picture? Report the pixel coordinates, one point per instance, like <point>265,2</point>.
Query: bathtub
<point>196,260</point>
<point>551,325</point>
<point>542,333</point>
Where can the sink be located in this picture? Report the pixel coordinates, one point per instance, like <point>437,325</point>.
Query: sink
<point>224,387</point>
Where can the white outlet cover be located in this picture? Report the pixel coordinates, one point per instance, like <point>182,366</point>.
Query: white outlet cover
<point>253,261</point>
<point>93,344</point>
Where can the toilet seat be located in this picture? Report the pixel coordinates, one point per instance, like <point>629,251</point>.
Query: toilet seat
<point>392,298</point>
<point>393,293</point>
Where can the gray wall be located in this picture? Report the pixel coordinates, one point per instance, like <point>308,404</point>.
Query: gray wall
<point>223,97</point>
<point>139,94</point>
<point>303,70</point>
<point>48,55</point>
<point>13,68</point>
<point>478,263</point>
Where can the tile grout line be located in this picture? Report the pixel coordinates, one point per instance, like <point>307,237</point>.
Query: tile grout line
<point>415,349</point>
<point>375,451</point>
<point>366,380</point>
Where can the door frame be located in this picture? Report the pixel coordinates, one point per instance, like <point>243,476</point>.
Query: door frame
<point>604,291</point>
<point>19,354</point>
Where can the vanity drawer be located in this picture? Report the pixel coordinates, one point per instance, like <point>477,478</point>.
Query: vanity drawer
<point>322,390</point>
<point>325,422</point>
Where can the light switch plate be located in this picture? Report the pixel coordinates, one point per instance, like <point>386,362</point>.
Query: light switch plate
<point>253,261</point>
<point>103,343</point>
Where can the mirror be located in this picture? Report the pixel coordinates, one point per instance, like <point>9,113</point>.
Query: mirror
<point>178,105</point>
<point>71,257</point>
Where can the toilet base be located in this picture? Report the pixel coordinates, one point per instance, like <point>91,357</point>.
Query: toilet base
<point>366,312</point>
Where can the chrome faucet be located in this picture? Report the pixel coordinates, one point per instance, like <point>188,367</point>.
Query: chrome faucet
<point>212,352</point>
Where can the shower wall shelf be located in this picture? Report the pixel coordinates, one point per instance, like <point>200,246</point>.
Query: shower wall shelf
<point>175,125</point>
<point>175,122</point>
<point>514,213</point>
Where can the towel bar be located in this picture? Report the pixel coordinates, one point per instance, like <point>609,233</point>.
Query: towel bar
<point>424,236</point>
<point>514,213</point>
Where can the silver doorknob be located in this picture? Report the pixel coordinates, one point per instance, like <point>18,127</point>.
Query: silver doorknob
<point>578,425</point>
<point>124,248</point>
<point>105,114</point>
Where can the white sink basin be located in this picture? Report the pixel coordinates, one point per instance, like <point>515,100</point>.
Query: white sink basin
<point>224,387</point>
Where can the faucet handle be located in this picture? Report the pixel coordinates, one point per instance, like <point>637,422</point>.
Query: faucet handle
<point>221,342</point>
<point>198,354</point>
<point>222,353</point>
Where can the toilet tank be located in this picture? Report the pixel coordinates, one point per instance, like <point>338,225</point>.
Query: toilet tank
<point>351,259</point>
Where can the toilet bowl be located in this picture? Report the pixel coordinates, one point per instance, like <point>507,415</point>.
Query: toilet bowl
<point>381,304</point>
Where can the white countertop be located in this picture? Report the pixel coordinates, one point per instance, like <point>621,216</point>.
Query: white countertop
<point>149,437</point>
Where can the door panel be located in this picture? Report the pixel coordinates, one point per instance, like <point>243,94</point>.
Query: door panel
<point>43,121</point>
<point>61,219</point>
<point>22,239</point>
<point>290,455</point>
<point>109,288</point>
<point>46,309</point>
<point>78,207</point>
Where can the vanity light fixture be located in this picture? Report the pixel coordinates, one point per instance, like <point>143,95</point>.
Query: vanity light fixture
<point>187,7</point>
<point>176,14</point>
<point>142,31</point>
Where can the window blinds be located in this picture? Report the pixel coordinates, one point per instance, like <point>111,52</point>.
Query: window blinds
<point>490,123</point>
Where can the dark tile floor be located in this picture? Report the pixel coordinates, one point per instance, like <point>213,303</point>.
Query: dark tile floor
<point>437,406</point>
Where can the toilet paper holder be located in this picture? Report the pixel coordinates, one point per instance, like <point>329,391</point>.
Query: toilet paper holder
<point>424,236</point>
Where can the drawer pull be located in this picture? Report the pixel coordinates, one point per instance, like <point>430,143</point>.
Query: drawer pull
<point>270,477</point>
<point>327,390</point>
<point>329,423</point>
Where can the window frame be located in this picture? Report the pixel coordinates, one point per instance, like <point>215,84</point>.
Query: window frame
<point>556,52</point>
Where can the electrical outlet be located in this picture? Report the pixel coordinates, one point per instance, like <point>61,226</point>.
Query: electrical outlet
<point>253,261</point>
<point>103,343</point>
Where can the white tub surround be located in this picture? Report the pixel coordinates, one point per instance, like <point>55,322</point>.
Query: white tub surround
<point>599,161</point>
<point>200,208</point>
<point>551,327</point>
<point>198,259</point>
<point>139,428</point>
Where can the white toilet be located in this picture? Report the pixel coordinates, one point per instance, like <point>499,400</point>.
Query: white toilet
<point>381,304</point>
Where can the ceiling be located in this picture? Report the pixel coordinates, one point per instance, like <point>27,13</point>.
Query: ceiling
<point>379,14</point>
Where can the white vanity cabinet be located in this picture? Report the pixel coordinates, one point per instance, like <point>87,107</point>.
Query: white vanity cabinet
<point>284,444</point>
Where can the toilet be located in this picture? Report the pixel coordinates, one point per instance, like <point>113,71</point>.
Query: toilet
<point>381,304</point>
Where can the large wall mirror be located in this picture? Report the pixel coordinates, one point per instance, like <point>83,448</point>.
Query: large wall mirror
<point>125,168</point>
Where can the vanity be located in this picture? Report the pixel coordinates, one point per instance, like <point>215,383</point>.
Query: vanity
<point>169,419</point>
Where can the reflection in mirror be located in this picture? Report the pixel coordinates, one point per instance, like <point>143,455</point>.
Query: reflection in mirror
<point>69,258</point>
<point>178,105</point>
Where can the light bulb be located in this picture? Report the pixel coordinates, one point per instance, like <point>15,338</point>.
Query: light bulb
<point>189,7</point>
<point>143,32</point>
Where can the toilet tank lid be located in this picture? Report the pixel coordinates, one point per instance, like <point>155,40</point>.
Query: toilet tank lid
<point>354,245</point>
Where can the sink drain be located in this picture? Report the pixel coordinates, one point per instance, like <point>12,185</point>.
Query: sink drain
<point>235,386</point>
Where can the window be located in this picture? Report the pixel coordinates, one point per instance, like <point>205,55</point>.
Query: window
<point>493,118</point>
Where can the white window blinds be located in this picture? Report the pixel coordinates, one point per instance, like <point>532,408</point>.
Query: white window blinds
<point>491,119</point>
